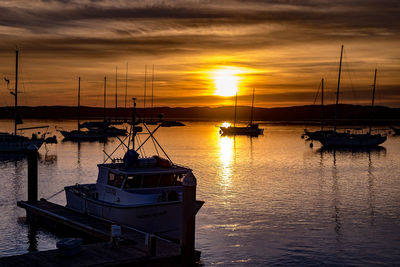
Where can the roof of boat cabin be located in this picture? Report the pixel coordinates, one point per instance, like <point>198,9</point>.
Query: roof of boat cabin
<point>119,167</point>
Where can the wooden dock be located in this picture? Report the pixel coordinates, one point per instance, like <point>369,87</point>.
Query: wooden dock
<point>135,249</point>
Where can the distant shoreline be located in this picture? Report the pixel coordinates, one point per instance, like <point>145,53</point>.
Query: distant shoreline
<point>310,114</point>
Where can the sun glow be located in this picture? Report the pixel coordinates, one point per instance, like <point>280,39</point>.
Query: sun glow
<point>226,124</point>
<point>226,82</point>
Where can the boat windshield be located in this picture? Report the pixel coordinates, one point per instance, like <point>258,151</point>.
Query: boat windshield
<point>152,180</point>
<point>115,179</point>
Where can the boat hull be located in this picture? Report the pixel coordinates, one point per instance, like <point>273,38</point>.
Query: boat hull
<point>83,136</point>
<point>352,140</point>
<point>162,218</point>
<point>241,131</point>
<point>19,146</point>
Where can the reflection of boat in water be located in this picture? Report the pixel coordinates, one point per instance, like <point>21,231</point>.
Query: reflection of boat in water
<point>251,129</point>
<point>79,135</point>
<point>14,142</point>
<point>348,138</point>
<point>352,150</point>
<point>396,130</point>
<point>12,156</point>
<point>144,193</point>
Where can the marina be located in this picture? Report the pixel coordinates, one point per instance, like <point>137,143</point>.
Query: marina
<point>184,133</point>
<point>310,205</point>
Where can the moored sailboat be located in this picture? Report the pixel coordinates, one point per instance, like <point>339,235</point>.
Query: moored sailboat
<point>14,142</point>
<point>79,135</point>
<point>333,138</point>
<point>251,129</point>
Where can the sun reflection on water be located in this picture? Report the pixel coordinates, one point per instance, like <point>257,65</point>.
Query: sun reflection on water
<point>226,149</point>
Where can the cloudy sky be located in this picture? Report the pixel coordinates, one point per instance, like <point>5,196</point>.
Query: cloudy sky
<point>282,48</point>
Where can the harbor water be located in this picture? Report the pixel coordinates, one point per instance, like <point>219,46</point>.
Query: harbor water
<point>269,200</point>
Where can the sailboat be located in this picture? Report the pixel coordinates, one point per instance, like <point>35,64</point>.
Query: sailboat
<point>14,142</point>
<point>251,129</point>
<point>350,139</point>
<point>79,135</point>
<point>315,135</point>
<point>104,126</point>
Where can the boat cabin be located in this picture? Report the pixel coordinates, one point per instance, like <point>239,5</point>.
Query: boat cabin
<point>118,176</point>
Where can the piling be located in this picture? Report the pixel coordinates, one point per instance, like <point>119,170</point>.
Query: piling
<point>188,219</point>
<point>32,173</point>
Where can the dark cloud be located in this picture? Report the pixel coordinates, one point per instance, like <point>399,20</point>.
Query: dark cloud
<point>294,43</point>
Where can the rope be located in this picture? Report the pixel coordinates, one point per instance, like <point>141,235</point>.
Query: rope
<point>55,194</point>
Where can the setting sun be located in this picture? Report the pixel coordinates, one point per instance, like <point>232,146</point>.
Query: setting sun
<point>226,82</point>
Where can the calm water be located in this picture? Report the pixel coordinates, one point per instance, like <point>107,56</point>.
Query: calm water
<point>270,200</point>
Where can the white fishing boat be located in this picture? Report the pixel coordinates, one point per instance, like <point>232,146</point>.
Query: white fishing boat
<point>143,193</point>
<point>12,142</point>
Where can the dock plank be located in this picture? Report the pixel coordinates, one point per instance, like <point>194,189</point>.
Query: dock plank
<point>132,250</point>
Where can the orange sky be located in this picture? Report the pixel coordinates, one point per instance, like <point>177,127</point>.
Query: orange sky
<point>280,48</point>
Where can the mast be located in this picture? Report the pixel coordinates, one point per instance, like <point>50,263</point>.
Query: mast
<point>337,91</point>
<point>116,92</point>
<point>105,90</point>
<point>133,123</point>
<point>144,94</point>
<point>126,83</point>
<point>79,103</point>
<point>234,122</point>
<point>252,107</point>
<point>322,104</point>
<point>152,93</point>
<point>16,118</point>
<point>373,102</point>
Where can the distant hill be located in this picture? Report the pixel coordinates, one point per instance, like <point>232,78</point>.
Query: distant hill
<point>348,114</point>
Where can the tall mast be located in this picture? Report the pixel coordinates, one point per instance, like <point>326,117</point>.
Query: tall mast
<point>234,122</point>
<point>116,91</point>
<point>152,93</point>
<point>79,103</point>
<point>16,118</point>
<point>252,107</point>
<point>373,102</point>
<point>126,83</point>
<point>144,94</point>
<point>337,91</point>
<point>322,104</point>
<point>105,95</point>
<point>133,125</point>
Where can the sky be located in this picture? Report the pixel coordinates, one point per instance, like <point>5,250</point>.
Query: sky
<point>202,51</point>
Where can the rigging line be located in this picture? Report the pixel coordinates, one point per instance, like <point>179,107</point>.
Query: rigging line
<point>165,153</point>
<point>317,94</point>
<point>109,156</point>
<point>349,75</point>
<point>151,134</point>
<point>155,147</point>
<point>141,148</point>
<point>55,194</point>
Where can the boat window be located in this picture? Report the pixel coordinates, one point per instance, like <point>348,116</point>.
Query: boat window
<point>115,179</point>
<point>167,180</point>
<point>151,180</point>
<point>133,181</point>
